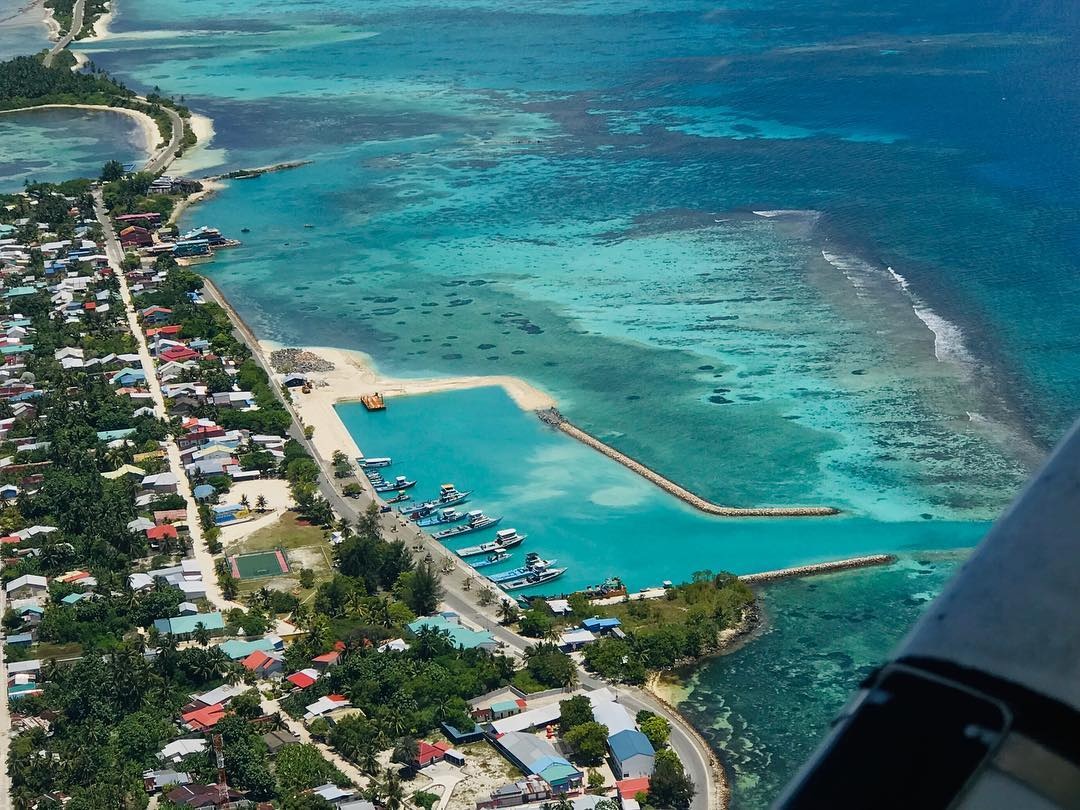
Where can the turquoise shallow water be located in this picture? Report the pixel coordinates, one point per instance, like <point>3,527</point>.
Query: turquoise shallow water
<point>765,706</point>
<point>567,192</point>
<point>594,515</point>
<point>51,145</point>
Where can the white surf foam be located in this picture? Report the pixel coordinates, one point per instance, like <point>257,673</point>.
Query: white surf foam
<point>949,343</point>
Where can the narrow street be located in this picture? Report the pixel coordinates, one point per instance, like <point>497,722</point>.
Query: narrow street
<point>199,550</point>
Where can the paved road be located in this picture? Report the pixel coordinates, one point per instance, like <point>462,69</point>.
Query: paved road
<point>160,160</point>
<point>65,40</point>
<point>5,725</point>
<point>199,550</point>
<point>693,752</point>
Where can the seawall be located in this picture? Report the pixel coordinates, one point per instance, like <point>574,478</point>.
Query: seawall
<point>552,417</point>
<point>819,568</point>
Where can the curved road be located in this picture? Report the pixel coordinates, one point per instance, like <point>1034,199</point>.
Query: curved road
<point>65,40</point>
<point>694,754</point>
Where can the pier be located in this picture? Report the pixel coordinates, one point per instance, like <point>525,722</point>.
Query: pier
<point>552,417</point>
<point>819,568</point>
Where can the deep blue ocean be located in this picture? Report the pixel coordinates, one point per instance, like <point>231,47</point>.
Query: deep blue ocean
<point>783,252</point>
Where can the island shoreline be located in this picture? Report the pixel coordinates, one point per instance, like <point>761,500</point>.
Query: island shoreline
<point>148,127</point>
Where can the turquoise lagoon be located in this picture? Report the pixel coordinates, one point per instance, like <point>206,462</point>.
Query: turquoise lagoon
<point>595,516</point>
<point>782,252</point>
<point>49,145</point>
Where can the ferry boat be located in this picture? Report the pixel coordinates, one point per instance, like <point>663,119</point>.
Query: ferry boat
<point>504,539</point>
<point>448,515</point>
<point>371,463</point>
<point>448,496</point>
<point>477,521</point>
<point>401,496</point>
<point>398,484</point>
<point>492,559</point>
<point>533,564</point>
<point>535,578</point>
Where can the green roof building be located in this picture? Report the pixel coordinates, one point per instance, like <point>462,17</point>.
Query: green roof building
<point>184,626</point>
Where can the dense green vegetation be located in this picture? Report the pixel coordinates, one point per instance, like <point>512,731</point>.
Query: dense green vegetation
<point>662,632</point>
<point>26,82</point>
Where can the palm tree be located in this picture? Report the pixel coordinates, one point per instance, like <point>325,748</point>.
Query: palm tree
<point>368,760</point>
<point>356,604</point>
<point>260,504</point>
<point>467,583</point>
<point>486,596</point>
<point>244,502</point>
<point>508,612</point>
<point>201,635</point>
<point>393,793</point>
<point>318,634</point>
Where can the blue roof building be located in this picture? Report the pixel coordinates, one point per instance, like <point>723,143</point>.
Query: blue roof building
<point>598,625</point>
<point>184,626</point>
<point>632,755</point>
<point>460,636</point>
<point>531,754</point>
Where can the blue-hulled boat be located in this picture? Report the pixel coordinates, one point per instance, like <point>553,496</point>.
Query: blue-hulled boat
<point>448,515</point>
<point>492,559</point>
<point>477,521</point>
<point>448,496</point>
<point>504,539</point>
<point>533,564</point>
<point>533,579</point>
<point>398,484</point>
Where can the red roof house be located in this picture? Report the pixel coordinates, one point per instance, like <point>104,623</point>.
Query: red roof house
<point>204,718</point>
<point>261,664</point>
<point>629,788</point>
<point>159,534</point>
<point>135,236</point>
<point>326,659</point>
<point>427,753</point>
<point>171,329</point>
<point>301,679</point>
<point>179,354</point>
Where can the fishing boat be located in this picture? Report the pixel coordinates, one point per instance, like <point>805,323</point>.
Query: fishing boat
<point>448,496</point>
<point>398,484</point>
<point>369,463</point>
<point>533,564</point>
<point>401,496</point>
<point>492,559</point>
<point>535,578</point>
<point>448,515</point>
<point>477,521</point>
<point>504,539</point>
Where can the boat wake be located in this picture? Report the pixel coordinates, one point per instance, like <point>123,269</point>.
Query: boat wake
<point>950,345</point>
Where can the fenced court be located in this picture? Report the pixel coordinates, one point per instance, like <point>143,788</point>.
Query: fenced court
<point>260,564</point>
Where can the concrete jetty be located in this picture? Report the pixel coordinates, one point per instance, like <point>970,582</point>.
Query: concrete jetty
<point>819,568</point>
<point>552,417</point>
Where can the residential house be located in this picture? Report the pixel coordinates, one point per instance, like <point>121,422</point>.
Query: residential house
<point>304,678</point>
<point>27,586</point>
<point>183,626</point>
<point>262,665</point>
<point>632,755</point>
<point>153,781</point>
<point>161,483</point>
<point>200,797</point>
<point>460,636</point>
<point>155,315</point>
<point>276,740</point>
<point>533,755</point>
<point>135,236</point>
<point>178,749</point>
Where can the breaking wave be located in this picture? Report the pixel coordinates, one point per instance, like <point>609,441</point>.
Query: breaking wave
<point>949,343</point>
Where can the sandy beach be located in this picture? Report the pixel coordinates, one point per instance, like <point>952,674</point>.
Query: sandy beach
<point>148,129</point>
<point>355,374</point>
<point>101,25</point>
<point>210,187</point>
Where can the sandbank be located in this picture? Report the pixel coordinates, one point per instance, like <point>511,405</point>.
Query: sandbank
<point>355,375</point>
<point>101,24</point>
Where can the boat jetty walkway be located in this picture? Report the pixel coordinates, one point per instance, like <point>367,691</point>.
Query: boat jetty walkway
<point>552,417</point>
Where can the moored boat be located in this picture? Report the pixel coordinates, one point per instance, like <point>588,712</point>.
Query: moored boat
<point>368,463</point>
<point>398,484</point>
<point>448,496</point>
<point>477,521</point>
<point>535,578</point>
<point>448,515</point>
<point>492,559</point>
<point>401,496</point>
<point>533,563</point>
<point>504,539</point>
